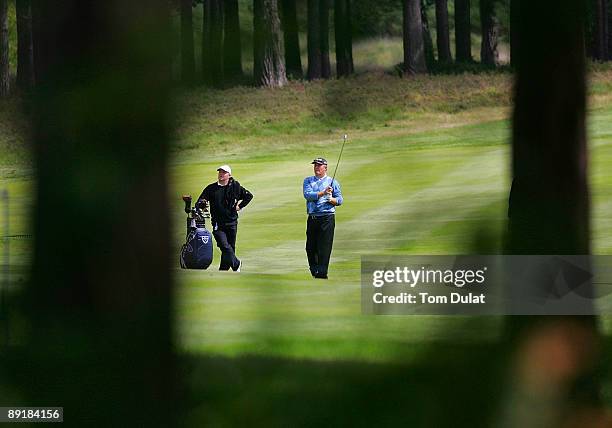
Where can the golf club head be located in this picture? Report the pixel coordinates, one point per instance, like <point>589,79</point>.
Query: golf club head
<point>187,200</point>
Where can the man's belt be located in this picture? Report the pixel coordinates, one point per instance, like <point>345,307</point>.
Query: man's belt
<point>316,216</point>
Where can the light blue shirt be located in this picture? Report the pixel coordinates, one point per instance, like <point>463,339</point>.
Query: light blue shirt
<point>320,205</point>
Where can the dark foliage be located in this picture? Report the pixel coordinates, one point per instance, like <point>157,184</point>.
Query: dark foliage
<point>376,18</point>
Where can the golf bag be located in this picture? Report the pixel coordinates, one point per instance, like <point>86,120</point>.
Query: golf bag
<point>197,251</point>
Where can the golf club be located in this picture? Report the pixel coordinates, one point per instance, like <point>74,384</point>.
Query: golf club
<point>345,137</point>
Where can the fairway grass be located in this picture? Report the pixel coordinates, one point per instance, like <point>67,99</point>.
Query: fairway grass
<point>438,191</point>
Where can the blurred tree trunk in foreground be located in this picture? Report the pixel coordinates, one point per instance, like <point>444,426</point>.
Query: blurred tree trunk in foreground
<point>463,31</point>
<point>442,32</point>
<point>324,26</point>
<point>490,29</point>
<point>232,46</point>
<point>293,58</point>
<point>269,67</point>
<point>25,47</point>
<point>550,204</point>
<point>549,207</point>
<point>414,46</point>
<point>4,50</point>
<point>343,36</point>
<point>98,302</point>
<point>187,51</point>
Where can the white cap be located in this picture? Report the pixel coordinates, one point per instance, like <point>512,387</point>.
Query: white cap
<point>225,168</point>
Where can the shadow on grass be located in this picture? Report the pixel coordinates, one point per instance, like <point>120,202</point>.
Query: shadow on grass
<point>450,386</point>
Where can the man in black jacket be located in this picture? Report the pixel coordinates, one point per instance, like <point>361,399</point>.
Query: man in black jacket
<point>226,198</point>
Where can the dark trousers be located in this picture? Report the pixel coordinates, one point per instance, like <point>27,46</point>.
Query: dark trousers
<point>225,236</point>
<point>319,240</point>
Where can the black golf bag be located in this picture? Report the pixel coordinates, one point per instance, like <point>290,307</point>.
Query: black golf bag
<point>197,252</point>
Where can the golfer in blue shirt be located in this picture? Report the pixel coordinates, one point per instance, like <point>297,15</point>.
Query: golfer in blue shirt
<point>322,196</point>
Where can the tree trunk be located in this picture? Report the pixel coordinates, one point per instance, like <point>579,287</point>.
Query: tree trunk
<point>324,23</point>
<point>216,42</point>
<point>605,30</point>
<point>39,33</point>
<point>549,199</point>
<point>414,47</point>
<point>609,29</point>
<point>490,29</point>
<point>257,38</point>
<point>4,50</point>
<point>212,39</point>
<point>463,31</point>
<point>25,47</point>
<point>514,32</point>
<point>349,35</point>
<point>430,58</point>
<point>314,41</point>
<point>442,32</point>
<point>549,204</point>
<point>600,30</point>
<point>342,32</point>
<point>269,64</point>
<point>206,44</point>
<point>293,59</point>
<point>232,47</point>
<point>98,304</point>
<point>187,50</point>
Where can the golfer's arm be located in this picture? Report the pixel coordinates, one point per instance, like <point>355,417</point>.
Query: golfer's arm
<point>245,197</point>
<point>337,194</point>
<point>309,195</point>
<point>201,199</point>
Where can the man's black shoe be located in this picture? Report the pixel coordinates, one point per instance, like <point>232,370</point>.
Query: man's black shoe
<point>320,275</point>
